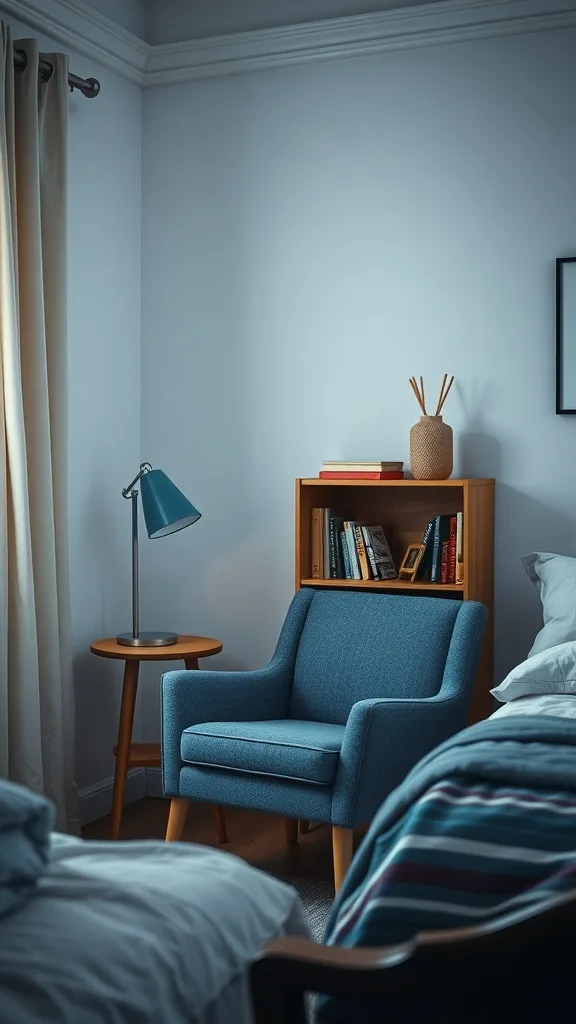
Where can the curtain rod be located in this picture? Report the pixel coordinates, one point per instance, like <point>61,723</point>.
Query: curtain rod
<point>89,87</point>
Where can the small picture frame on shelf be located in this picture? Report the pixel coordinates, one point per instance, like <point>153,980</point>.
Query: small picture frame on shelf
<point>410,562</point>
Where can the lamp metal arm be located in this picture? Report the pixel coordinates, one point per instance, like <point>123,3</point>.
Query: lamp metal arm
<point>128,492</point>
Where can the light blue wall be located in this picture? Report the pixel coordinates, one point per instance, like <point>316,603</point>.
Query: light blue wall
<point>314,235</point>
<point>104,329</point>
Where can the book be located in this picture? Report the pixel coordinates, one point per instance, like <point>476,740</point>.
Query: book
<point>326,543</point>
<point>346,474</point>
<point>370,552</point>
<point>340,567</point>
<point>345,555</point>
<point>332,548</point>
<point>444,560</point>
<point>424,568</point>
<point>317,543</point>
<point>335,557</point>
<point>355,573</point>
<point>361,552</point>
<point>362,466</point>
<point>329,542</point>
<point>451,574</point>
<point>459,547</point>
<point>441,530</point>
<point>381,562</point>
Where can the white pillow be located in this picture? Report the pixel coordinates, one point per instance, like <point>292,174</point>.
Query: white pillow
<point>551,671</point>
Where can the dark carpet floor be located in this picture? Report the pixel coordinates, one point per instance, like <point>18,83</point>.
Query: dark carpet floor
<point>317,897</point>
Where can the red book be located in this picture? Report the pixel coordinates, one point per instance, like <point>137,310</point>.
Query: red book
<point>444,562</point>
<point>349,475</point>
<point>452,550</point>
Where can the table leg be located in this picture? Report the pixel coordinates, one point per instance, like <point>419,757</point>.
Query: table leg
<point>217,811</point>
<point>129,689</point>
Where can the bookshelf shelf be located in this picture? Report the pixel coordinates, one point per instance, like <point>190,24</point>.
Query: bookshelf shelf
<point>456,588</point>
<point>404,484</point>
<point>404,508</point>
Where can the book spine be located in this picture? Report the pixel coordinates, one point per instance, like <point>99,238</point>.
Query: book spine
<point>451,578</point>
<point>345,555</point>
<point>316,544</point>
<point>326,542</point>
<point>444,562</point>
<point>386,570</point>
<point>460,547</point>
<point>436,552</point>
<point>361,550</point>
<point>354,567</point>
<point>370,552</point>
<point>332,548</point>
<point>340,572</point>
<point>326,474</point>
<point>426,560</point>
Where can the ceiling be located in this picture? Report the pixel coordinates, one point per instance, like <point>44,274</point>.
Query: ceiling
<point>170,21</point>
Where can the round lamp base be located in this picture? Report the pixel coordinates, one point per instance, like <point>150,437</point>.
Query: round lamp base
<point>147,639</point>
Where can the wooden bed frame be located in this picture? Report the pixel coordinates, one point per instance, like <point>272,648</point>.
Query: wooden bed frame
<point>518,967</point>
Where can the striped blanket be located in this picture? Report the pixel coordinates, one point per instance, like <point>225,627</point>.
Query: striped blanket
<point>484,824</point>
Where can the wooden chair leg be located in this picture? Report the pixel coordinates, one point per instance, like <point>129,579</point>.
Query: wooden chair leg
<point>177,818</point>
<point>342,850</point>
<point>220,823</point>
<point>291,831</point>
<point>304,826</point>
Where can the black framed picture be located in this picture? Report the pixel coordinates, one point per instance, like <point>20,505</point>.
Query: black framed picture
<point>566,335</point>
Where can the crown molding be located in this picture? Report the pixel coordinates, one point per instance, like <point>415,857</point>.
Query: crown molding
<point>445,21</point>
<point>85,31</point>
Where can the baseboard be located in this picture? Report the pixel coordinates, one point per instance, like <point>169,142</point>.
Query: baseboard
<point>154,783</point>
<point>96,801</point>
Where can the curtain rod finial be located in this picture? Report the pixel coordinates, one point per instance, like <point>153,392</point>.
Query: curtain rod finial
<point>91,88</point>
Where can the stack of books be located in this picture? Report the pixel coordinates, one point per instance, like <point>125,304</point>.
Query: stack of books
<point>362,471</point>
<point>443,556</point>
<point>343,549</point>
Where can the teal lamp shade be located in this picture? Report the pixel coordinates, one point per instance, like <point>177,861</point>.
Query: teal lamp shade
<point>166,509</point>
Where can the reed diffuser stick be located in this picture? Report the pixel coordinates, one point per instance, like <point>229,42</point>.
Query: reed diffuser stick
<point>423,398</point>
<point>439,405</point>
<point>414,386</point>
<point>446,393</point>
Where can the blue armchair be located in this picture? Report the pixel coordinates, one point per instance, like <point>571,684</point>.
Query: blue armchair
<point>360,687</point>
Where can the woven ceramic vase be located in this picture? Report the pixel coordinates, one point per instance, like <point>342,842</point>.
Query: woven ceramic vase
<point>431,449</point>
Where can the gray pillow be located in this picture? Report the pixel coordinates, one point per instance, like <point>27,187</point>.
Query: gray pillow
<point>555,577</point>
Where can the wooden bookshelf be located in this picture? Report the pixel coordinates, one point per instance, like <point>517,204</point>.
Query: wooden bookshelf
<point>404,508</point>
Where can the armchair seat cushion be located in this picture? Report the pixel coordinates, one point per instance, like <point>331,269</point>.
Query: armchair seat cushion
<point>285,748</point>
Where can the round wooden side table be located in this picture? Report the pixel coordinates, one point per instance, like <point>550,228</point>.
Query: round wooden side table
<point>146,755</point>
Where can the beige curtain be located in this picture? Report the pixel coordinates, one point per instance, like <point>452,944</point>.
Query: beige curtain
<point>36,697</point>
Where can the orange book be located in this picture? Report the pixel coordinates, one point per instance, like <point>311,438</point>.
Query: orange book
<point>317,543</point>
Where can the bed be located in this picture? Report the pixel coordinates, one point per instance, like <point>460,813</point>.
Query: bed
<point>481,831</point>
<point>140,932</point>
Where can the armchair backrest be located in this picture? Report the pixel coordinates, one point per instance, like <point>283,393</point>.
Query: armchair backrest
<point>355,646</point>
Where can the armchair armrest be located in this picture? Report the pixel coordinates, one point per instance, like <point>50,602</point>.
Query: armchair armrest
<point>191,697</point>
<point>383,740</point>
<point>385,737</point>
